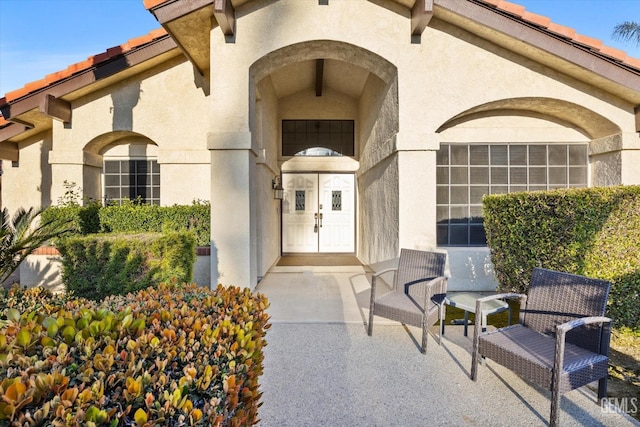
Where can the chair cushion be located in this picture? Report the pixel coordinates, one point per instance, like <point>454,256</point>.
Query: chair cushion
<point>531,355</point>
<point>399,307</point>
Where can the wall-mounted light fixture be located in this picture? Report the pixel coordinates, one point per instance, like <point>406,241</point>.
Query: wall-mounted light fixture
<point>276,184</point>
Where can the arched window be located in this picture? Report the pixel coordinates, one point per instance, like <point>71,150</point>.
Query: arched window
<point>131,171</point>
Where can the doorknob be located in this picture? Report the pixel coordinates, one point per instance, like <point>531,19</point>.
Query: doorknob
<point>315,226</point>
<point>321,219</point>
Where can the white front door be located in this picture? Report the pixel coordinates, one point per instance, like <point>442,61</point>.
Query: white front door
<point>318,213</point>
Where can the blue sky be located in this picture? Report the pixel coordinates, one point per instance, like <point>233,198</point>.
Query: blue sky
<point>39,37</point>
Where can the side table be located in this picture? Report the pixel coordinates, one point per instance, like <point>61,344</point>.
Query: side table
<point>467,302</point>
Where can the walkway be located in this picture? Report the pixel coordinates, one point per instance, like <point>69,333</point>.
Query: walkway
<point>321,368</point>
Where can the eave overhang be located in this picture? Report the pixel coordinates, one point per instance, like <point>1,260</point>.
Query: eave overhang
<point>30,111</point>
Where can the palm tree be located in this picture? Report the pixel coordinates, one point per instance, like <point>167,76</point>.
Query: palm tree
<point>19,237</point>
<point>628,31</point>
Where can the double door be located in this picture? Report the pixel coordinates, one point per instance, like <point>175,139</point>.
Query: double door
<point>318,213</point>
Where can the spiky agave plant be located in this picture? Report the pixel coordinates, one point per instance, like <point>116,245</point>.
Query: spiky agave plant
<point>22,234</point>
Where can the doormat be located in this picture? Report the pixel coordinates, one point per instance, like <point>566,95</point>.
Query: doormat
<point>317,260</point>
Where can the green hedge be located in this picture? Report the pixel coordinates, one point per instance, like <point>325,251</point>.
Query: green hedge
<point>167,356</point>
<point>132,217</point>
<point>593,232</point>
<point>96,266</point>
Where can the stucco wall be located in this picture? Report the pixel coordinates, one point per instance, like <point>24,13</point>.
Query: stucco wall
<point>28,183</point>
<point>165,106</point>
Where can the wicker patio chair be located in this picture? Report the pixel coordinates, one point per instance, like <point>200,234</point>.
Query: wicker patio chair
<point>562,339</point>
<point>417,294</point>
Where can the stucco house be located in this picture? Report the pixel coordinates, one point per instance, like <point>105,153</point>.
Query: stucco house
<point>383,121</point>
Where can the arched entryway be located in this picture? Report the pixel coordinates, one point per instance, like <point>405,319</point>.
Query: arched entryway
<point>329,106</point>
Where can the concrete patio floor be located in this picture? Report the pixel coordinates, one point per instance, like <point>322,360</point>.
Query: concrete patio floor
<point>322,369</point>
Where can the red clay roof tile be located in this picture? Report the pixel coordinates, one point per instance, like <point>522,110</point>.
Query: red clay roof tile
<point>561,30</point>
<point>618,54</point>
<point>81,66</point>
<point>512,8</point>
<point>534,18</point>
<point>566,32</point>
<point>148,4</point>
<point>589,41</point>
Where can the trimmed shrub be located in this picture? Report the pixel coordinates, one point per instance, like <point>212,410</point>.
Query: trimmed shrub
<point>97,266</point>
<point>172,355</point>
<point>133,217</point>
<point>593,232</point>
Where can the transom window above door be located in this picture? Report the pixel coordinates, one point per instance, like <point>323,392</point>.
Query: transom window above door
<point>318,138</point>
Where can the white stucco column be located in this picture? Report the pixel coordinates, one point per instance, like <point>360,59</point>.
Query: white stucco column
<point>233,248</point>
<point>77,167</point>
<point>417,179</point>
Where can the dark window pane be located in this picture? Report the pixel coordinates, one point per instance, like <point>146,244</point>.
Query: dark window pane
<point>518,154</point>
<point>477,235</point>
<point>557,155</point>
<point>442,214</point>
<point>577,176</point>
<point>459,214</point>
<point>577,155</point>
<point>459,175</point>
<point>442,234</point>
<point>336,200</point>
<point>337,136</point>
<point>459,155</point>
<point>112,180</point>
<point>479,155</point>
<point>442,175</point>
<point>537,155</point>
<point>476,214</point>
<point>499,155</point>
<point>477,192</point>
<point>459,235</point>
<point>537,176</point>
<point>479,175</point>
<point>459,195</point>
<point>499,189</point>
<point>518,176</point>
<point>442,155</point>
<point>111,166</point>
<point>112,193</point>
<point>300,200</point>
<point>442,195</point>
<point>499,176</point>
<point>557,176</point>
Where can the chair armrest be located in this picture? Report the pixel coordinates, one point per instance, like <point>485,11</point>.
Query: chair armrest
<point>572,324</point>
<point>375,276</point>
<point>426,290</point>
<point>561,332</point>
<point>386,270</point>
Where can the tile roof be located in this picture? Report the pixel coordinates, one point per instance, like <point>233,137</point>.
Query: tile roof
<point>81,66</point>
<point>544,23</point>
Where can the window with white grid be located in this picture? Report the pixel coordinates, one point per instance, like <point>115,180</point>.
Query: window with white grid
<point>467,172</point>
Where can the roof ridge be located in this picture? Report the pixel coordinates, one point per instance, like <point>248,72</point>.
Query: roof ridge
<point>595,45</point>
<point>91,61</point>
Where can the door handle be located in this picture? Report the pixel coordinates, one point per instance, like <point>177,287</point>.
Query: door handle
<point>320,219</point>
<point>315,226</point>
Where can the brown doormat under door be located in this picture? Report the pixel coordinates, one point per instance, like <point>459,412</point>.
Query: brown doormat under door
<point>318,260</point>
